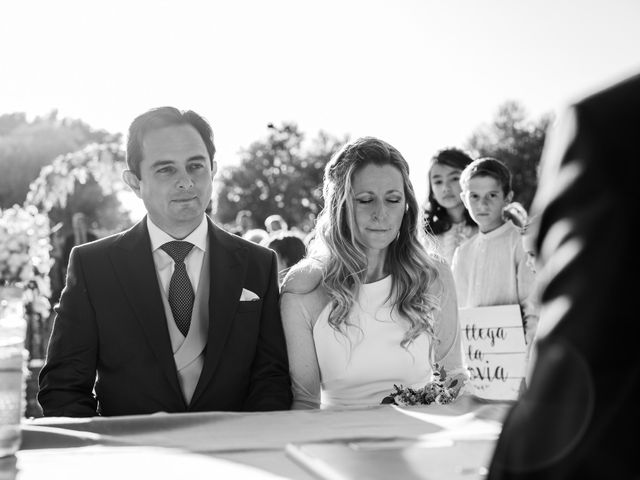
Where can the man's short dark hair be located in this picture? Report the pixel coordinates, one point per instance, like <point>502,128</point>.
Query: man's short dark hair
<point>159,118</point>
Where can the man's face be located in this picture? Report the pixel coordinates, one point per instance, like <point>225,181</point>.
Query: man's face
<point>485,200</point>
<point>175,178</point>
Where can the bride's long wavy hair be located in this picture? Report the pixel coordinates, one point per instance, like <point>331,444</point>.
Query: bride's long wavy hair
<point>416,288</point>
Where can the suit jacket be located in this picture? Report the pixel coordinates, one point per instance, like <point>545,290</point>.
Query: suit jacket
<point>581,411</point>
<point>111,322</point>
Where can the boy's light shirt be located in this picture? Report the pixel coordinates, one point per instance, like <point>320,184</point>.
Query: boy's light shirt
<point>491,269</point>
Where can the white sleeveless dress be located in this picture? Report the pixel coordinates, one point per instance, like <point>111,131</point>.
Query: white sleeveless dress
<point>361,368</point>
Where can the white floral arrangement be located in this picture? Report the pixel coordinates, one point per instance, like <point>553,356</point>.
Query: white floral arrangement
<point>25,254</point>
<point>104,162</point>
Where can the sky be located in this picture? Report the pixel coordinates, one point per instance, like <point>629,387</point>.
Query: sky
<point>420,74</point>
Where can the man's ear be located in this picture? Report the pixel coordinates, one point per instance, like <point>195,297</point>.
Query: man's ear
<point>132,180</point>
<point>214,168</point>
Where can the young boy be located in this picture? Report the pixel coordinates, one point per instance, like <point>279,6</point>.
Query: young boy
<point>491,267</point>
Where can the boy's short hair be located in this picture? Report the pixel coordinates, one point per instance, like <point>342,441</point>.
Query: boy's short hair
<point>487,167</point>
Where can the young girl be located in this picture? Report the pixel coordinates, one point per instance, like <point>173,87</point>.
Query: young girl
<point>446,217</point>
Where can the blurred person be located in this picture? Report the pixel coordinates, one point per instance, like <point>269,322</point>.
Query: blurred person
<point>174,314</point>
<point>243,223</point>
<point>491,267</point>
<point>256,235</point>
<point>446,217</point>
<point>80,235</point>
<point>527,226</point>
<point>275,223</point>
<point>579,415</point>
<point>369,307</point>
<point>58,269</point>
<point>290,249</point>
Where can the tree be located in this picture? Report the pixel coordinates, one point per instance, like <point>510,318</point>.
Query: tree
<point>26,146</point>
<point>518,142</point>
<point>87,181</point>
<point>276,175</point>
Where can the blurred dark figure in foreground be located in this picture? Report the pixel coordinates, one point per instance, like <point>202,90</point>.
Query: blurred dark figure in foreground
<point>289,248</point>
<point>580,414</point>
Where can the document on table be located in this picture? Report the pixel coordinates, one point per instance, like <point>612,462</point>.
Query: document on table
<point>395,458</point>
<point>461,450</point>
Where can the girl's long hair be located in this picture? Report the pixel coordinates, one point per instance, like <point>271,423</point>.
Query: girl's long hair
<point>436,218</point>
<point>416,287</point>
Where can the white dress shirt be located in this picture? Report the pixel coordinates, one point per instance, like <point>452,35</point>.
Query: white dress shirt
<point>165,264</point>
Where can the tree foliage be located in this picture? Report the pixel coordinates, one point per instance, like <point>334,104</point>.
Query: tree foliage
<point>86,181</point>
<point>277,175</point>
<point>516,140</point>
<point>26,146</point>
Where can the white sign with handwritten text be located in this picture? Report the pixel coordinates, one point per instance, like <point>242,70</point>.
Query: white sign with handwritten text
<point>493,342</point>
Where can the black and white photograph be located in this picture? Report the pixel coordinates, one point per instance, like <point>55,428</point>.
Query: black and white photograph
<point>319,240</point>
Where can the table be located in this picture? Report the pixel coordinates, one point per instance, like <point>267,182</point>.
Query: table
<point>229,444</point>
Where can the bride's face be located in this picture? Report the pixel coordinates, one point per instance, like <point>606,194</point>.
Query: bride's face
<point>379,205</point>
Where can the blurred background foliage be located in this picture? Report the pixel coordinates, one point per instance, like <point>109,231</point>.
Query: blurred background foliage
<point>28,145</point>
<point>279,173</point>
<point>516,139</point>
<point>61,166</point>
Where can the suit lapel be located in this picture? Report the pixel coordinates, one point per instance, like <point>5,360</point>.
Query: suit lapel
<point>227,267</point>
<point>132,261</point>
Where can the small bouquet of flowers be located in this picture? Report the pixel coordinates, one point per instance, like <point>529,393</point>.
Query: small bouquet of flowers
<point>441,391</point>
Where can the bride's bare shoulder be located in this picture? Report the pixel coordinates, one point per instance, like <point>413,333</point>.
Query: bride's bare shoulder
<point>304,277</point>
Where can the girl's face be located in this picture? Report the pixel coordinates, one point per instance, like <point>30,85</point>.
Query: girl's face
<point>485,200</point>
<point>445,185</point>
<point>379,205</point>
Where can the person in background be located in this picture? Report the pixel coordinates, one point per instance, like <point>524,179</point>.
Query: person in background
<point>174,314</point>
<point>518,215</point>
<point>80,235</point>
<point>275,223</point>
<point>528,227</point>
<point>256,235</point>
<point>579,415</point>
<point>290,249</point>
<point>491,267</point>
<point>369,307</point>
<point>446,217</point>
<point>243,222</point>
<point>58,270</point>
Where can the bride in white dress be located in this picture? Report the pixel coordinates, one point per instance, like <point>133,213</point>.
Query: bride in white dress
<point>369,307</point>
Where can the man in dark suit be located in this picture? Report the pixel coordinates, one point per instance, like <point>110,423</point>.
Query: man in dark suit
<point>580,415</point>
<point>175,314</point>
